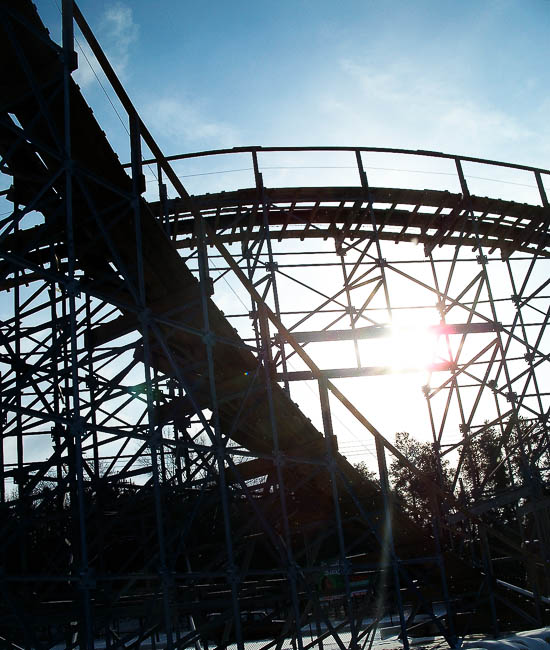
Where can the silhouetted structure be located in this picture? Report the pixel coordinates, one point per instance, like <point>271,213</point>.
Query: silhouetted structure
<point>164,487</point>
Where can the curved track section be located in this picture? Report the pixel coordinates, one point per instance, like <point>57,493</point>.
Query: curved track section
<point>433,218</point>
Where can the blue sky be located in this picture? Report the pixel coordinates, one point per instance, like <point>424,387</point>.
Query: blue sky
<point>468,77</point>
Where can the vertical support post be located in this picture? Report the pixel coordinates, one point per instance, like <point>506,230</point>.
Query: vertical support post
<point>331,446</point>
<point>56,381</point>
<point>387,538</point>
<point>436,510</point>
<point>76,431</point>
<point>279,461</point>
<point>163,203</point>
<point>233,577</point>
<point>381,260</point>
<point>155,437</point>
<point>272,265</point>
<point>488,566</point>
<point>541,516</point>
<point>18,418</point>
<point>350,307</point>
<point>92,392</point>
<point>436,526</point>
<point>483,261</point>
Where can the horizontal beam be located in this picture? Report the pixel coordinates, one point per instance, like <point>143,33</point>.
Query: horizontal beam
<point>382,331</point>
<point>368,371</point>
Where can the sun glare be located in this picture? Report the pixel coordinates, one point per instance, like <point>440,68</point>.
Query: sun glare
<point>404,348</point>
<point>411,348</point>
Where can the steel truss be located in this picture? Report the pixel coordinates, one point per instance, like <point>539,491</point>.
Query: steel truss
<point>159,486</point>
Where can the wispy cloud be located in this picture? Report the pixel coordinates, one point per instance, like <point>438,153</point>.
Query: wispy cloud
<point>182,123</point>
<point>120,33</point>
<point>426,110</point>
<point>117,32</point>
<point>87,64</point>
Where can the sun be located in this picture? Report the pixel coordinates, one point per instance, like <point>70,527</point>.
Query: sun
<point>411,345</point>
<point>412,348</point>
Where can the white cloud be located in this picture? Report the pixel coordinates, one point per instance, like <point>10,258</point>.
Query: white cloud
<point>120,32</point>
<point>87,64</point>
<point>182,123</point>
<point>404,105</point>
<point>116,34</point>
<point>477,122</point>
<point>430,111</point>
